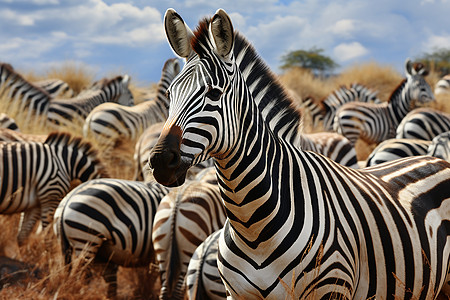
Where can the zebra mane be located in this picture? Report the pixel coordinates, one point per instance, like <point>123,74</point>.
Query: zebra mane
<point>398,90</point>
<point>66,139</point>
<point>276,106</point>
<point>9,68</point>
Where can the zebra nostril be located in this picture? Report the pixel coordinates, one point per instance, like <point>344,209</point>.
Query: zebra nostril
<point>172,159</point>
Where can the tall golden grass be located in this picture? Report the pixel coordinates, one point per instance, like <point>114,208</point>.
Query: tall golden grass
<point>56,282</point>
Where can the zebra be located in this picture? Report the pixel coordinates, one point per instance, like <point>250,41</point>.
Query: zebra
<point>185,217</point>
<point>110,222</point>
<point>423,123</point>
<point>297,222</point>
<point>440,146</point>
<point>202,278</point>
<point>72,114</point>
<point>8,122</point>
<point>8,135</point>
<point>375,123</point>
<point>397,148</point>
<point>325,111</point>
<point>111,122</point>
<point>443,85</point>
<point>56,88</point>
<point>35,176</point>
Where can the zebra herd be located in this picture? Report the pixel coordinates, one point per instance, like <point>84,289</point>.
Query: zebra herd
<point>230,198</point>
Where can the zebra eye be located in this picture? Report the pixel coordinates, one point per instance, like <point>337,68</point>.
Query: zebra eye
<point>167,94</point>
<point>214,94</point>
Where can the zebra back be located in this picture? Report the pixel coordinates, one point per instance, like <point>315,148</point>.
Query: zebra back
<point>72,114</point>
<point>397,148</point>
<point>202,278</point>
<point>56,88</point>
<point>423,123</point>
<point>185,217</point>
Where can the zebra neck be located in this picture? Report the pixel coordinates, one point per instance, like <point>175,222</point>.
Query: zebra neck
<point>399,103</point>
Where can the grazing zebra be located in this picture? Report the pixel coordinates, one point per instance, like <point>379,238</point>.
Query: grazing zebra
<point>110,122</point>
<point>73,113</point>
<point>56,88</point>
<point>298,223</point>
<point>35,176</point>
<point>325,111</point>
<point>8,122</point>
<point>397,148</point>
<point>443,85</point>
<point>375,123</point>
<point>109,221</point>
<point>202,278</point>
<point>184,219</point>
<point>423,123</point>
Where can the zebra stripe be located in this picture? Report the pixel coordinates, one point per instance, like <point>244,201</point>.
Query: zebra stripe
<point>423,123</point>
<point>109,122</point>
<point>397,148</point>
<point>443,85</point>
<point>440,146</point>
<point>298,223</point>
<point>375,123</point>
<point>109,221</point>
<point>325,111</point>
<point>35,176</point>
<point>184,219</point>
<point>202,278</point>
<point>72,114</point>
<point>56,88</point>
<point>8,122</point>
<point>8,135</point>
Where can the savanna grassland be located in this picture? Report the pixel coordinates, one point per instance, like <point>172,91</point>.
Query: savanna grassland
<point>54,282</point>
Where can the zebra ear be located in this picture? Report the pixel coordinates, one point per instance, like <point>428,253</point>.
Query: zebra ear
<point>222,32</point>
<point>178,33</point>
<point>408,67</point>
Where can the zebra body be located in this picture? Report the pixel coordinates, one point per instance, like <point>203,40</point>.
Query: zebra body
<point>297,222</point>
<point>443,85</point>
<point>326,111</point>
<point>440,146</point>
<point>109,221</point>
<point>35,176</point>
<point>8,135</point>
<point>397,148</point>
<point>375,123</point>
<point>110,122</point>
<point>203,279</point>
<point>423,123</point>
<point>73,113</point>
<point>184,219</point>
<point>56,88</point>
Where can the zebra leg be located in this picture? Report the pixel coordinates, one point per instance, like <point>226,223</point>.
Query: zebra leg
<point>110,276</point>
<point>28,219</point>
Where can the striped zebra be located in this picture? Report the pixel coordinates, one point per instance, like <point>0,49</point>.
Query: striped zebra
<point>110,222</point>
<point>202,278</point>
<point>72,114</point>
<point>423,123</point>
<point>8,122</point>
<point>443,85</point>
<point>397,148</point>
<point>325,112</point>
<point>375,123</point>
<point>185,218</point>
<point>440,146</point>
<point>35,176</point>
<point>56,88</point>
<point>298,223</point>
<point>110,122</point>
<point>8,135</point>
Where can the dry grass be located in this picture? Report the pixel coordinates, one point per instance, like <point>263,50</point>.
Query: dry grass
<point>56,283</point>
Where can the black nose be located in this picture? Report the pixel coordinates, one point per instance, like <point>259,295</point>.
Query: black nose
<point>166,159</point>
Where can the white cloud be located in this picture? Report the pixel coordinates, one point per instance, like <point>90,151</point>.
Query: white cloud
<point>438,41</point>
<point>344,27</point>
<point>348,51</point>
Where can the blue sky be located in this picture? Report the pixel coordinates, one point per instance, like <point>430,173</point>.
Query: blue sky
<point>127,36</point>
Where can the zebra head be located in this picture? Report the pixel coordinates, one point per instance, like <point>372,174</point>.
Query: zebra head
<point>440,146</point>
<point>198,96</point>
<point>418,89</point>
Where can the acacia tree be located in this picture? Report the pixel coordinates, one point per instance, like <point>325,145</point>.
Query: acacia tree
<point>311,59</point>
<point>438,60</point>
